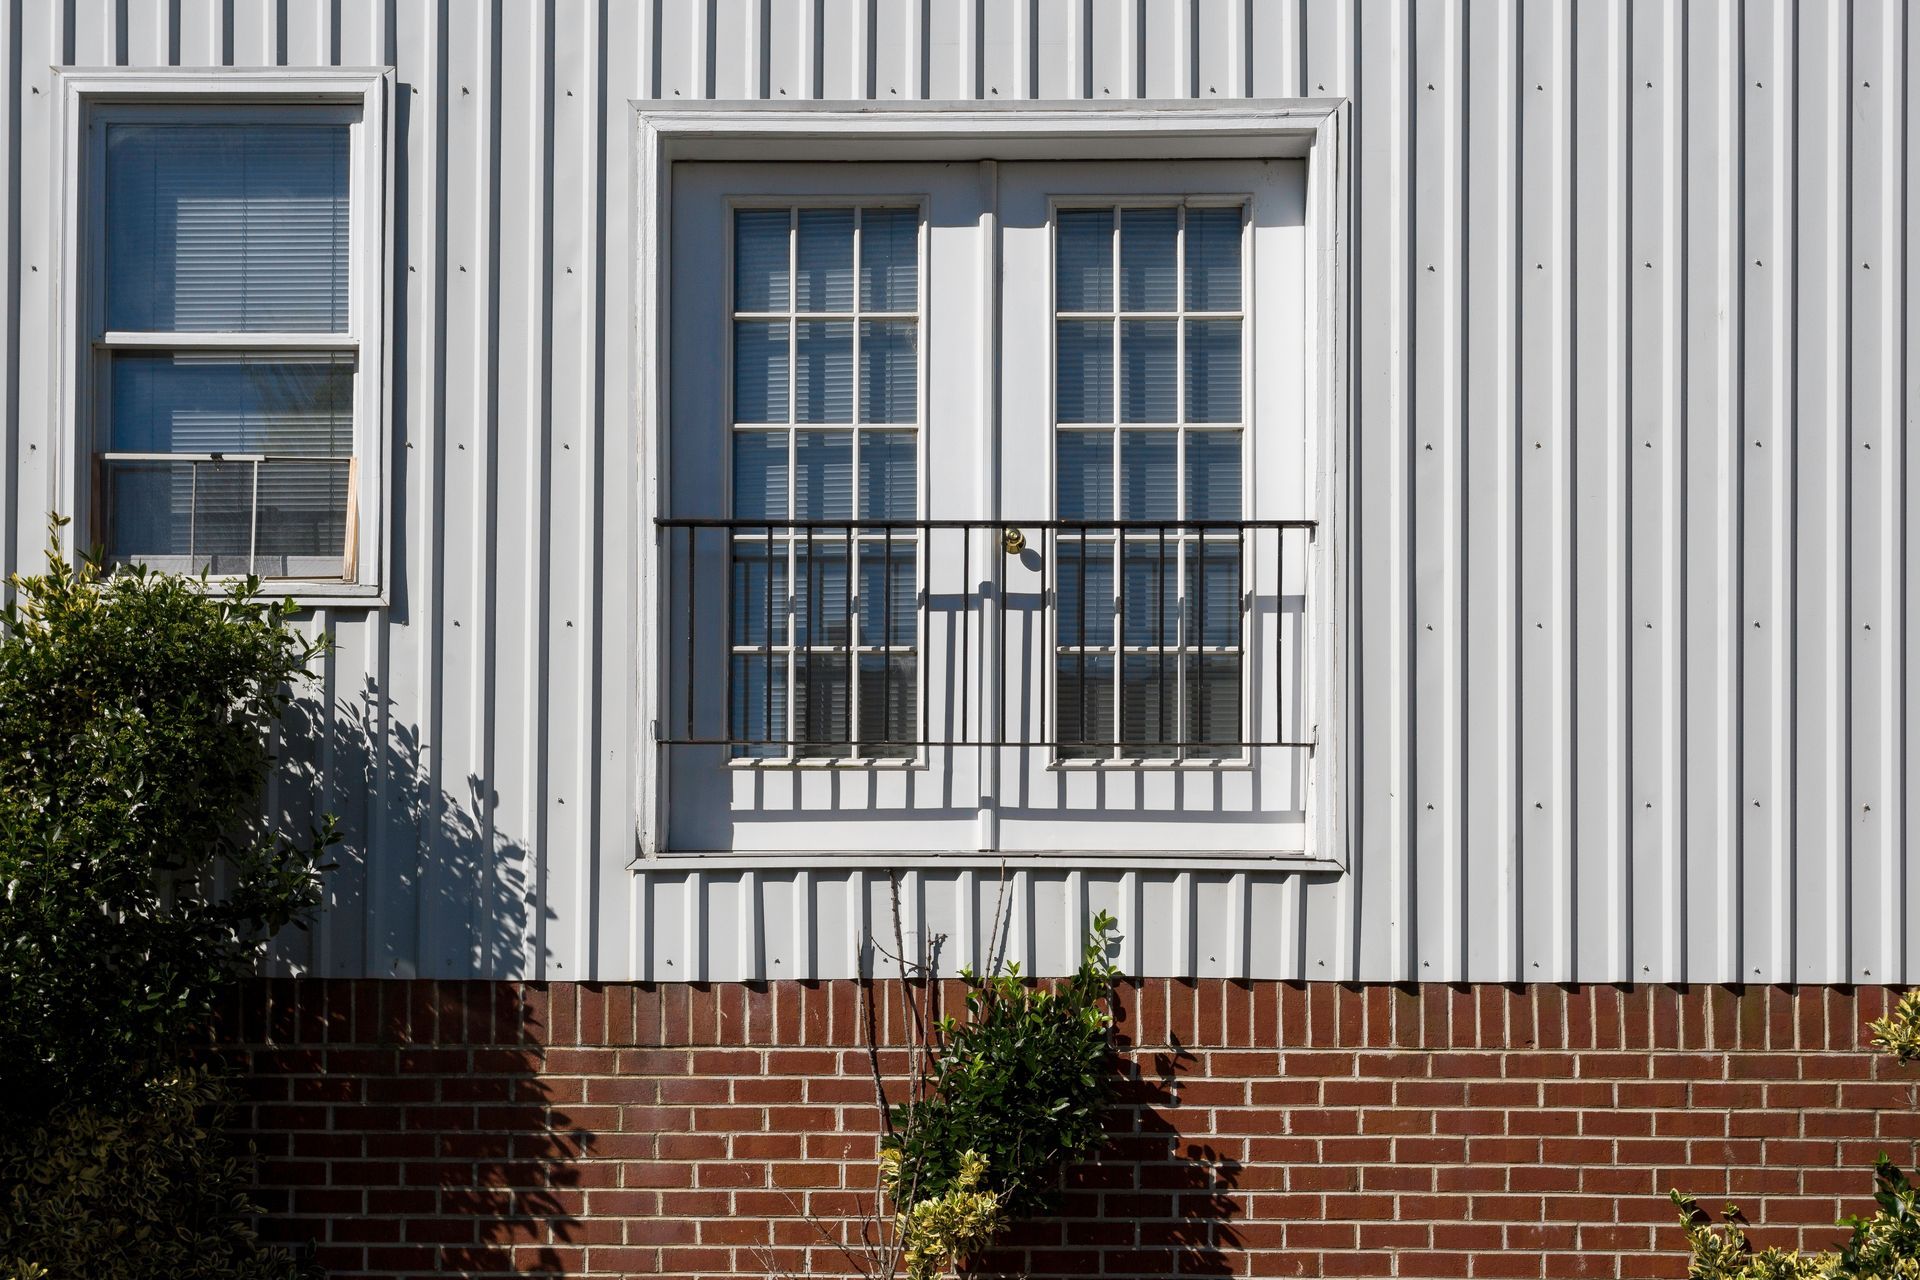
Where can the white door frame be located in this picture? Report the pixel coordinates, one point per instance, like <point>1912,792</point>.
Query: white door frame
<point>1317,130</point>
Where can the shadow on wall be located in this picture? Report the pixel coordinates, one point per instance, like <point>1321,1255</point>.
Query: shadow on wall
<point>411,1127</point>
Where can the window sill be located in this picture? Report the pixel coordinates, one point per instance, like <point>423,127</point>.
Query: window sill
<point>680,863</point>
<point>307,593</point>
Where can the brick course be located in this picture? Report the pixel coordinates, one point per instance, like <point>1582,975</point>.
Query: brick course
<point>1263,1129</point>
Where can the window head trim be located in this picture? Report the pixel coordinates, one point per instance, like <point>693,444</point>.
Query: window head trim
<point>87,97</point>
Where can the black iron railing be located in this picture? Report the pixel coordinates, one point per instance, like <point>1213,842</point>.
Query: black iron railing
<point>1136,633</point>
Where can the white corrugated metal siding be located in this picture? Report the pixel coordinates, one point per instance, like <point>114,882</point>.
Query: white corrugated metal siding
<point>1632,573</point>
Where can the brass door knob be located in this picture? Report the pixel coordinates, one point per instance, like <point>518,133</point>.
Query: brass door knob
<point>1013,541</point>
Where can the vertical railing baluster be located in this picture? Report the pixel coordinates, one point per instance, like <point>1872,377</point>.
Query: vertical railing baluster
<point>1160,629</point>
<point>1191,717</point>
<point>966,630</point>
<point>1080,644</point>
<point>922,626</point>
<point>886,637</point>
<point>1242,595</point>
<point>847,593</point>
<point>813,629</point>
<point>1279,635</point>
<point>766,622</point>
<point>693,615</point>
<point>1042,621</point>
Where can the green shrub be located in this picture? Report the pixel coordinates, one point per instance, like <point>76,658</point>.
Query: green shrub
<point>1017,1090</point>
<point>1885,1246</point>
<point>148,1189</point>
<point>136,880</point>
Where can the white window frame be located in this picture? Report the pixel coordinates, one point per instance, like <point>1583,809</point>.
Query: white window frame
<point>1316,130</point>
<point>87,96</point>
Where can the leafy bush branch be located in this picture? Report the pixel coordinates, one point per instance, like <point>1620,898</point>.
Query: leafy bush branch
<point>137,879</point>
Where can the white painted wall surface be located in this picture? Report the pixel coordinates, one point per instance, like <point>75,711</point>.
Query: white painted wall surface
<point>1633,592</point>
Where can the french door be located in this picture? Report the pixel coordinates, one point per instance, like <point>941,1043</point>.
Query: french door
<point>978,497</point>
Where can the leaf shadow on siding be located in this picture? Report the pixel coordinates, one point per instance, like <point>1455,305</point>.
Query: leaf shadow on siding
<point>438,1085</point>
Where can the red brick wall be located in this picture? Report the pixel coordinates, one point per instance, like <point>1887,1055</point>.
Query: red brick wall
<point>420,1128</point>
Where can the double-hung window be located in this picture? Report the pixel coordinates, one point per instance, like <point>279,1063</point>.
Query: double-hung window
<point>229,399</point>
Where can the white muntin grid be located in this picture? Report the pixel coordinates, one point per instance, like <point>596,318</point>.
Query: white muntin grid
<point>1174,717</point>
<point>787,701</point>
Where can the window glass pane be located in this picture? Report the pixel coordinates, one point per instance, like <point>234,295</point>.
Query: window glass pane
<point>888,370</point>
<point>182,516</point>
<point>888,592</point>
<point>301,529</point>
<point>888,704</point>
<point>888,472</point>
<point>1213,259</point>
<point>1084,708</point>
<point>823,475</point>
<point>1149,241</point>
<point>220,403</point>
<point>889,260</point>
<point>1086,592</point>
<point>1213,371</point>
<point>227,227</point>
<point>1084,378</point>
<point>1213,594</point>
<point>1213,704</point>
<point>759,371</point>
<point>760,474</point>
<point>759,600</point>
<point>1148,475</point>
<point>758,692</point>
<point>1085,476</point>
<point>1150,605</point>
<point>824,696</point>
<point>1213,475</point>
<point>760,260</point>
<point>1149,370</point>
<point>1083,260</point>
<point>825,261</point>
<point>823,371</point>
<point>1147,693</point>
<point>821,608</point>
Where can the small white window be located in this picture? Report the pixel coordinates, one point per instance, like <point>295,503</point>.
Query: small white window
<point>228,406</point>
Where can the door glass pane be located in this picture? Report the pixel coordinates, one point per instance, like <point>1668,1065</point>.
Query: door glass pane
<point>760,259</point>
<point>1147,476</point>
<point>760,474</point>
<point>889,370</point>
<point>823,475</point>
<point>823,371</point>
<point>1083,260</point>
<point>1083,711</point>
<point>1149,370</point>
<point>240,227</point>
<point>889,260</point>
<point>1083,382</point>
<point>1085,480</point>
<point>888,475</point>
<point>1213,259</point>
<point>1213,371</point>
<point>760,371</point>
<point>1213,475</point>
<point>758,694</point>
<point>1149,279</point>
<point>824,279</point>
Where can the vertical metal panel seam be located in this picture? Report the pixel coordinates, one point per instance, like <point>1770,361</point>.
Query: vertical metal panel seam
<point>1402,831</point>
<point>1564,793</point>
<point>1619,493</point>
<point>1514,915</point>
<point>542,52</point>
<point>1785,576</point>
<point>1839,441</point>
<point>1453,421</point>
<point>12,80</point>
<point>1675,370</point>
<point>1894,326</point>
<point>1731,360</point>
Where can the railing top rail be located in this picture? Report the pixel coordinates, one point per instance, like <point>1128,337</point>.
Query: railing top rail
<point>855,522</point>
